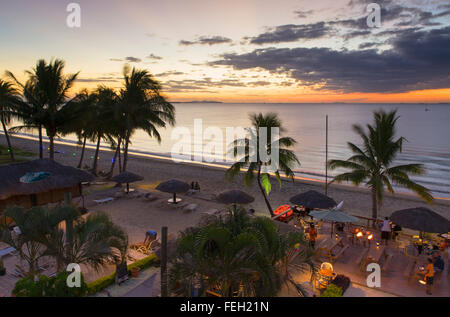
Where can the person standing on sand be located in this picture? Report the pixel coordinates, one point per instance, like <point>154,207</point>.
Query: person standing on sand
<point>386,230</point>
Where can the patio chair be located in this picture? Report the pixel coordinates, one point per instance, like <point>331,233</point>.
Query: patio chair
<point>325,275</point>
<point>319,225</point>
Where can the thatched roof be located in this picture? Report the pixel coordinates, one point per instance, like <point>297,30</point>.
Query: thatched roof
<point>235,196</point>
<point>312,200</point>
<point>127,177</point>
<point>60,177</point>
<point>421,219</point>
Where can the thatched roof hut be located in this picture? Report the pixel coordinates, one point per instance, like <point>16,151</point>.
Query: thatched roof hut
<point>50,189</point>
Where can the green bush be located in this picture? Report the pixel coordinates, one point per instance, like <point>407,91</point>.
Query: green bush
<point>332,291</point>
<point>144,263</point>
<point>101,283</point>
<point>105,281</point>
<point>44,286</point>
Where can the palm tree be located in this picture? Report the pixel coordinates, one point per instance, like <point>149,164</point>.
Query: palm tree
<point>142,106</point>
<point>232,255</point>
<point>83,105</point>
<point>48,89</point>
<point>31,112</point>
<point>9,99</point>
<point>30,250</point>
<point>372,163</point>
<point>252,160</point>
<point>94,240</point>
<point>103,119</point>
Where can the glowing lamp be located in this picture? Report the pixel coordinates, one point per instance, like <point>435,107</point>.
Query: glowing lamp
<point>422,282</point>
<point>359,234</point>
<point>370,237</point>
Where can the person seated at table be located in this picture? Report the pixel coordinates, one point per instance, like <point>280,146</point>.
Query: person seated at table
<point>443,246</point>
<point>395,231</point>
<point>340,226</point>
<point>312,235</point>
<point>438,262</point>
<point>429,276</point>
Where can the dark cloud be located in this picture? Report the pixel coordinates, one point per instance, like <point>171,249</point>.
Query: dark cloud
<point>207,83</point>
<point>170,73</point>
<point>205,40</point>
<point>132,59</point>
<point>367,45</point>
<point>292,33</point>
<point>303,14</point>
<point>98,79</point>
<point>417,60</point>
<point>154,57</point>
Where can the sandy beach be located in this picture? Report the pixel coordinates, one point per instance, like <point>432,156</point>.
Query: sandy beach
<point>212,180</point>
<point>136,215</point>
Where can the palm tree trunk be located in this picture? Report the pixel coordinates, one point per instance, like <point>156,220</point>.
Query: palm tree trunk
<point>264,193</point>
<point>52,147</point>
<point>69,228</point>
<point>7,139</point>
<point>94,167</point>
<point>82,153</point>
<point>125,154</point>
<point>113,164</point>
<point>374,206</point>
<point>120,160</point>
<point>41,146</point>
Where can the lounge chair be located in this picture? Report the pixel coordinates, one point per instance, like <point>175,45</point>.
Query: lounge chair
<point>104,200</point>
<point>150,197</point>
<point>8,251</point>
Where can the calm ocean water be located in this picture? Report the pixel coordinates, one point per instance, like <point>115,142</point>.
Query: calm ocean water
<point>425,126</point>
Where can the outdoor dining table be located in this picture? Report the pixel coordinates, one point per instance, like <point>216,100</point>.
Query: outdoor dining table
<point>376,252</point>
<point>373,255</point>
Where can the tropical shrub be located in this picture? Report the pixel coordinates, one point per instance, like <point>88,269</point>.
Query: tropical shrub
<point>105,281</point>
<point>342,281</point>
<point>43,286</point>
<point>235,255</point>
<point>332,291</point>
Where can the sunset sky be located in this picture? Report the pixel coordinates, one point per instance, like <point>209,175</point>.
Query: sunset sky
<point>242,50</point>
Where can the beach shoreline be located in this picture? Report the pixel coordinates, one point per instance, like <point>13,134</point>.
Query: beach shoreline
<point>212,180</point>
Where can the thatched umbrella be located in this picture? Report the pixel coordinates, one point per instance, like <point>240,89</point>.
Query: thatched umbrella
<point>173,186</point>
<point>234,197</point>
<point>313,200</point>
<point>127,177</point>
<point>421,219</point>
